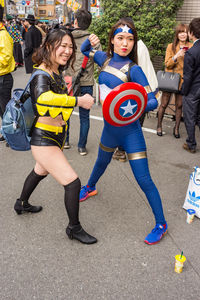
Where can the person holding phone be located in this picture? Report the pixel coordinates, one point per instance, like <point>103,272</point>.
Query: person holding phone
<point>174,58</point>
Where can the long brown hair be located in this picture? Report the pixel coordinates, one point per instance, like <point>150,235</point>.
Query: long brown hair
<point>123,21</point>
<point>52,41</point>
<point>179,28</point>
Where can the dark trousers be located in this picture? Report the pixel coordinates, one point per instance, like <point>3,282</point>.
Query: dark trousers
<point>6,84</point>
<point>191,115</point>
<point>18,53</point>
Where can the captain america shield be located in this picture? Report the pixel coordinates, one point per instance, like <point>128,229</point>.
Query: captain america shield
<point>125,104</point>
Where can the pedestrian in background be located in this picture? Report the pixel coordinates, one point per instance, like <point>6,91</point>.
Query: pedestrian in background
<point>191,86</point>
<point>38,25</point>
<point>24,29</point>
<point>7,65</point>
<point>33,39</point>
<point>17,40</point>
<point>174,59</point>
<point>82,21</point>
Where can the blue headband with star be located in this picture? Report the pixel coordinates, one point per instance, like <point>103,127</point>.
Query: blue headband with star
<point>125,28</point>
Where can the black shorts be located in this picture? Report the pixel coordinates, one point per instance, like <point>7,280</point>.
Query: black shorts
<point>47,138</point>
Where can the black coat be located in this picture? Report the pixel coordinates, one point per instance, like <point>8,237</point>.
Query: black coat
<point>23,32</point>
<point>33,39</point>
<point>191,71</point>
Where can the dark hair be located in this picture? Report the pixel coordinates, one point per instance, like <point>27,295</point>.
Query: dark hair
<point>84,18</point>
<point>194,27</point>
<point>37,22</point>
<point>51,43</point>
<point>179,28</point>
<point>31,22</point>
<point>123,21</point>
<point>1,13</point>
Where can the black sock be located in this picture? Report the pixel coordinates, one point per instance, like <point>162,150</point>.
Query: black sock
<point>72,191</point>
<point>30,184</point>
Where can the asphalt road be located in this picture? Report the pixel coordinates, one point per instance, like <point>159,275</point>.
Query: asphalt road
<point>39,262</point>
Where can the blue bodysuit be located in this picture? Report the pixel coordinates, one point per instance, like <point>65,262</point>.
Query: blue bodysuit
<point>129,137</point>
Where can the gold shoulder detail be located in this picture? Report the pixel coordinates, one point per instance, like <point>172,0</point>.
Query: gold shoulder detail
<point>116,72</point>
<point>148,89</point>
<point>92,53</point>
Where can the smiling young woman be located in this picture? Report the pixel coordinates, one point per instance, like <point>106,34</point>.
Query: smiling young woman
<point>53,107</point>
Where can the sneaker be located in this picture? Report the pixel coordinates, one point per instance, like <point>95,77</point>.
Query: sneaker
<point>2,139</point>
<point>119,155</point>
<point>156,235</point>
<point>67,145</point>
<point>187,148</point>
<point>82,151</point>
<point>86,192</point>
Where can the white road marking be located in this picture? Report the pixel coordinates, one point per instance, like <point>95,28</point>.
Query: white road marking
<point>101,119</point>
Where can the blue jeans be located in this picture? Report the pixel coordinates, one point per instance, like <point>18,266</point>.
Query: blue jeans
<point>84,116</point>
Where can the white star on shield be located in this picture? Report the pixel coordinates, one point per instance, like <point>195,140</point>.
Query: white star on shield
<point>128,108</point>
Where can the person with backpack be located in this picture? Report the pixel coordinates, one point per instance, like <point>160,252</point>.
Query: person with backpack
<point>82,21</point>
<point>118,130</point>
<point>53,108</point>
<point>7,66</point>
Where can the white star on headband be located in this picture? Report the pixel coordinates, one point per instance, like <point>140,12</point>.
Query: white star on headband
<point>125,29</point>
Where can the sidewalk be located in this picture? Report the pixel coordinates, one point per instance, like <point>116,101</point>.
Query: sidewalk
<point>39,262</point>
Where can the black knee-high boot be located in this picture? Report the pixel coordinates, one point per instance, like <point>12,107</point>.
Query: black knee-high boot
<point>22,204</point>
<point>74,230</point>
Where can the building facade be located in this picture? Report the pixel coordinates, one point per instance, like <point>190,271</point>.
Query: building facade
<point>45,10</point>
<point>189,10</point>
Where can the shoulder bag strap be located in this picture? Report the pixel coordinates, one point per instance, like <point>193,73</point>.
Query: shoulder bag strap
<point>38,72</point>
<point>80,73</point>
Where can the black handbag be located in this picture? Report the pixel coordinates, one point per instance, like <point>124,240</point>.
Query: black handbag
<point>168,81</point>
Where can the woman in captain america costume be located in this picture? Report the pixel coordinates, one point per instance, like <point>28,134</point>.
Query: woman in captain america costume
<point>116,66</point>
<point>53,107</point>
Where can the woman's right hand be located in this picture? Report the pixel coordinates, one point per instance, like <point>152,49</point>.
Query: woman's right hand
<point>86,101</point>
<point>94,40</point>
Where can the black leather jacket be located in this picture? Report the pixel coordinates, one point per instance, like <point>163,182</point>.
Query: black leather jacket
<point>49,96</point>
